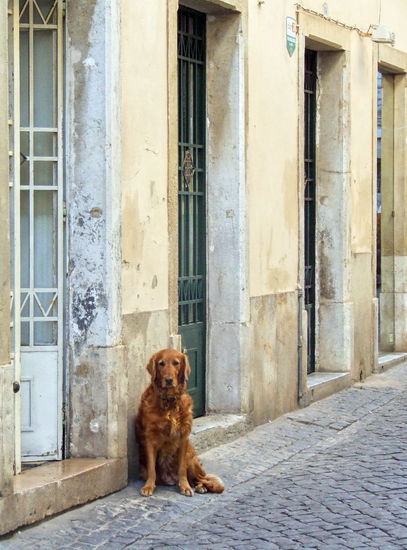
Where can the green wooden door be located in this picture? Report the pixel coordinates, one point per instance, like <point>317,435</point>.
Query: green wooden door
<point>192,198</point>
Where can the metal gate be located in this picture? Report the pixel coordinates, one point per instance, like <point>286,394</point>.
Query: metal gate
<point>309,201</point>
<point>36,181</point>
<point>192,198</point>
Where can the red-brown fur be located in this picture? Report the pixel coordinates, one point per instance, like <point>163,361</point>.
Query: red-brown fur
<point>163,426</point>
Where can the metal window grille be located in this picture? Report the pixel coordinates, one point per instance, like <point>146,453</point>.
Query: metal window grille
<point>191,178</point>
<point>309,201</point>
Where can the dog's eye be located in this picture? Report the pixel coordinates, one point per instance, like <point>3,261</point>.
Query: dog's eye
<point>176,362</point>
<point>161,363</point>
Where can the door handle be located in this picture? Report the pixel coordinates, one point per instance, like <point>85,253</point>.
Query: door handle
<point>16,387</point>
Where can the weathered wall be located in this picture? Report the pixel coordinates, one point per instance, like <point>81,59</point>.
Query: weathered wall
<point>369,12</point>
<point>363,117</point>
<point>97,377</point>
<point>273,355</point>
<point>334,308</point>
<point>144,152</point>
<point>145,221</point>
<point>271,139</point>
<point>271,151</point>
<point>227,263</point>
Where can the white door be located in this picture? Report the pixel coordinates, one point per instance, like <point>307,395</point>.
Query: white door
<point>37,179</point>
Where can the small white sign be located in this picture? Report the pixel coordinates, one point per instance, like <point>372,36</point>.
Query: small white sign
<point>291,35</point>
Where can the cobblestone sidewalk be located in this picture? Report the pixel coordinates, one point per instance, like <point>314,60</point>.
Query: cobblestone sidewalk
<point>331,476</point>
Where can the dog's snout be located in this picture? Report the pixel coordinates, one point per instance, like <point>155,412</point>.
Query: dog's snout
<point>168,381</point>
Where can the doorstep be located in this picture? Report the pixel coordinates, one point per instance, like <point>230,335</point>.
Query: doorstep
<point>323,384</point>
<point>390,359</point>
<point>216,429</point>
<point>57,486</point>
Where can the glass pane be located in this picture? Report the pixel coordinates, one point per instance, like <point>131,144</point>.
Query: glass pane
<point>24,14</point>
<point>45,173</point>
<point>25,238</point>
<point>24,173</point>
<point>25,333</point>
<point>24,145</point>
<point>45,7</point>
<point>44,79</point>
<point>45,246</point>
<point>24,154</point>
<point>25,305</point>
<point>44,144</point>
<point>45,333</point>
<point>45,299</point>
<point>24,79</point>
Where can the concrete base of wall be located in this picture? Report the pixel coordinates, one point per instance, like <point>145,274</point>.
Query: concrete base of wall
<point>323,384</point>
<point>216,429</point>
<point>57,486</point>
<point>388,360</point>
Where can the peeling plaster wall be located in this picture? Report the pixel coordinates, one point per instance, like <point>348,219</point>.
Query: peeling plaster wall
<point>97,377</point>
<point>93,172</point>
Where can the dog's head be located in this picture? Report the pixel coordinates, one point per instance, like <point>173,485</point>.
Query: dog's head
<point>168,368</point>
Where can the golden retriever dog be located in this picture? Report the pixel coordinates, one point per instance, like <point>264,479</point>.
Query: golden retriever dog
<point>163,426</point>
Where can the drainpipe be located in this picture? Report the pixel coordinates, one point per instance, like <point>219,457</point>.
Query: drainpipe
<point>299,340</point>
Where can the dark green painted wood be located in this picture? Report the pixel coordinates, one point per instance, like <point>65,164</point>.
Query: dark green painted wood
<point>192,199</point>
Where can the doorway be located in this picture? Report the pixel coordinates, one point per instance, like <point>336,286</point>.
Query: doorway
<point>37,227</point>
<point>192,198</point>
<point>310,80</point>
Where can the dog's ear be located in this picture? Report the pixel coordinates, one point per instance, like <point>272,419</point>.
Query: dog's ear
<point>151,366</point>
<point>185,370</point>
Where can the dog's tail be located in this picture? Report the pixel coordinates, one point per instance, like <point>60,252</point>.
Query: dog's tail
<point>213,484</point>
<point>197,476</point>
<point>202,481</point>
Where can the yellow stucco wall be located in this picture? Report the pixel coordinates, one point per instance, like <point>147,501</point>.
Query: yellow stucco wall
<point>272,110</point>
<point>272,150</point>
<point>144,157</point>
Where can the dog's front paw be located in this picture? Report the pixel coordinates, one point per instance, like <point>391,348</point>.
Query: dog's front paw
<point>147,490</point>
<point>200,488</point>
<point>186,489</point>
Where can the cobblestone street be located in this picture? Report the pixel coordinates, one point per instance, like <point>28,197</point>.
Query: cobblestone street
<point>331,476</point>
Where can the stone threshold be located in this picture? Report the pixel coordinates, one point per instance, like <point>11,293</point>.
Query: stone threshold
<point>216,429</point>
<point>57,486</point>
<point>389,359</point>
<point>323,384</point>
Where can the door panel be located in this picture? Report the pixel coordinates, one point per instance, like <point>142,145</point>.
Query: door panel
<point>37,219</point>
<point>39,398</point>
<point>192,198</point>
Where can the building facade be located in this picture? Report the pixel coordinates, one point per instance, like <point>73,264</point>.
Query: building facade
<point>201,175</point>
